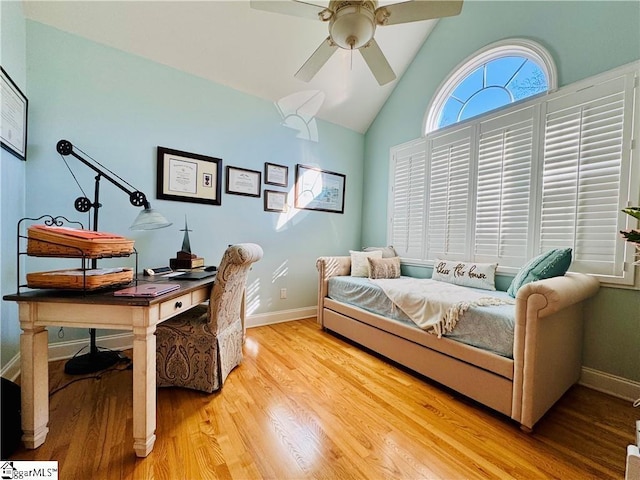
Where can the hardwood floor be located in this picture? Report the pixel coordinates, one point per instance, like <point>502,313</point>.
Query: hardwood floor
<point>306,404</point>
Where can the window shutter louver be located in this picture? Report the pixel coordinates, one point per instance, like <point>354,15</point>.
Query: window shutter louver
<point>581,181</point>
<point>408,197</point>
<point>448,205</point>
<point>504,188</point>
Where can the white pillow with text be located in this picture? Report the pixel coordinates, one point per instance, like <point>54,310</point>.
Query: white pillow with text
<point>466,274</point>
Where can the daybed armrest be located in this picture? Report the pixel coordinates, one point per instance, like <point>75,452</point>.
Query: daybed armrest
<point>329,267</point>
<point>547,350</point>
<point>551,295</point>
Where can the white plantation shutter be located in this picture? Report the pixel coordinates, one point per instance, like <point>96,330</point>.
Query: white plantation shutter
<point>503,199</point>
<point>552,172</point>
<point>582,182</point>
<point>407,197</point>
<point>448,201</point>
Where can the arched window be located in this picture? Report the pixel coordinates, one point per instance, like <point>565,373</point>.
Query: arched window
<point>498,75</point>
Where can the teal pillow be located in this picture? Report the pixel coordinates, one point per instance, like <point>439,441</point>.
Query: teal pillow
<point>553,263</point>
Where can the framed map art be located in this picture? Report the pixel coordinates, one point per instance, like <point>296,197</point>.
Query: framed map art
<point>318,189</point>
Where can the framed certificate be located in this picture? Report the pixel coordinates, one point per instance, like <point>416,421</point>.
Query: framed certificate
<point>275,201</point>
<point>241,181</point>
<point>189,177</point>
<point>276,174</point>
<point>14,117</point>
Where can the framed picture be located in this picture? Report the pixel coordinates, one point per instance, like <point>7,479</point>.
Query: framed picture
<point>14,117</point>
<point>276,174</point>
<point>318,189</point>
<point>243,182</point>
<point>189,177</point>
<point>275,201</point>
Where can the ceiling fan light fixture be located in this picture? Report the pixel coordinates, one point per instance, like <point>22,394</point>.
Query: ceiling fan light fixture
<point>353,24</point>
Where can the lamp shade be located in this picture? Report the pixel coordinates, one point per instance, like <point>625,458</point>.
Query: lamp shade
<point>149,219</point>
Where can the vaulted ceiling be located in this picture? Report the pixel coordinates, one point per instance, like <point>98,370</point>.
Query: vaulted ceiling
<point>250,50</point>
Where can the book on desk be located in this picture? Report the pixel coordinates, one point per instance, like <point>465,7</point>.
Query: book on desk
<point>147,290</point>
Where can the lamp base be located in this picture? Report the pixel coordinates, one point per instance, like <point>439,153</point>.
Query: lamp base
<point>91,362</point>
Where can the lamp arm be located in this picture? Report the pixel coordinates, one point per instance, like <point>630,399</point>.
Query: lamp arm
<point>137,198</point>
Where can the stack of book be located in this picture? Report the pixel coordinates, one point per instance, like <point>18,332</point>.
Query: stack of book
<point>186,260</point>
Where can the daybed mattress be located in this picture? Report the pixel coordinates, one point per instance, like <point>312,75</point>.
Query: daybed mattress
<point>490,328</point>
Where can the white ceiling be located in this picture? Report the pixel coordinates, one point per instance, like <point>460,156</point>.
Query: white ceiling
<point>250,50</point>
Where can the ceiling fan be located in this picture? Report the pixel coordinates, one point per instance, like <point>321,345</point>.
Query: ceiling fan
<point>352,25</point>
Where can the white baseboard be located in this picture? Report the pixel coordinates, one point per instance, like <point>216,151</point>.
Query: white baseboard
<point>271,318</point>
<point>12,369</point>
<point>124,341</point>
<point>610,384</point>
<point>64,350</point>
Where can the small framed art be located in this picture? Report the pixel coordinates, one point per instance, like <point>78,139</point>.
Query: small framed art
<point>275,201</point>
<point>241,181</point>
<point>318,189</point>
<point>276,174</point>
<point>189,177</point>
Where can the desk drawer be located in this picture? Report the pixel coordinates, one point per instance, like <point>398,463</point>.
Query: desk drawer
<point>175,305</point>
<point>199,296</point>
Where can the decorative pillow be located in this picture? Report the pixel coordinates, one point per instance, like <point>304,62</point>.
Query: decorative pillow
<point>384,267</point>
<point>476,275</point>
<point>359,263</point>
<point>387,252</point>
<point>553,263</point>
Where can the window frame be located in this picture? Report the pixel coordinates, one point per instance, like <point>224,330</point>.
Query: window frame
<point>628,192</point>
<point>518,47</point>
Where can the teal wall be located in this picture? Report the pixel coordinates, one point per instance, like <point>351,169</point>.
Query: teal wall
<point>118,108</point>
<point>12,177</point>
<point>585,38</point>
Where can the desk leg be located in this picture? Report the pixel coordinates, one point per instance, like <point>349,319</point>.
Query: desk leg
<point>34,381</point>
<point>144,390</point>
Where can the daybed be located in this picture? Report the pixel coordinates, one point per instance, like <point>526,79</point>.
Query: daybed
<point>547,344</point>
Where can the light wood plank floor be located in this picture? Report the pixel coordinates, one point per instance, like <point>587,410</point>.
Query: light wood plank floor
<point>306,404</point>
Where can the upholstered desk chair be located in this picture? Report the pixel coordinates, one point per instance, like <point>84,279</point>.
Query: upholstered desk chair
<point>198,348</point>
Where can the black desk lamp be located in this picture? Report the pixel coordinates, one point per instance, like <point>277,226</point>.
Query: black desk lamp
<point>148,219</point>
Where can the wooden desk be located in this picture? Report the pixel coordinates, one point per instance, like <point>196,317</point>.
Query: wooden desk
<point>41,308</point>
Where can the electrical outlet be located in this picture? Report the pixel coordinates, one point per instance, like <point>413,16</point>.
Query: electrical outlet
<point>283,293</point>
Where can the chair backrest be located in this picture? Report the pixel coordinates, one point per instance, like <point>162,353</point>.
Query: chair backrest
<point>225,303</point>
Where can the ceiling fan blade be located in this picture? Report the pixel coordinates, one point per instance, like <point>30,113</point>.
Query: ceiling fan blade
<point>377,62</point>
<point>293,7</point>
<point>416,10</point>
<point>315,62</point>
